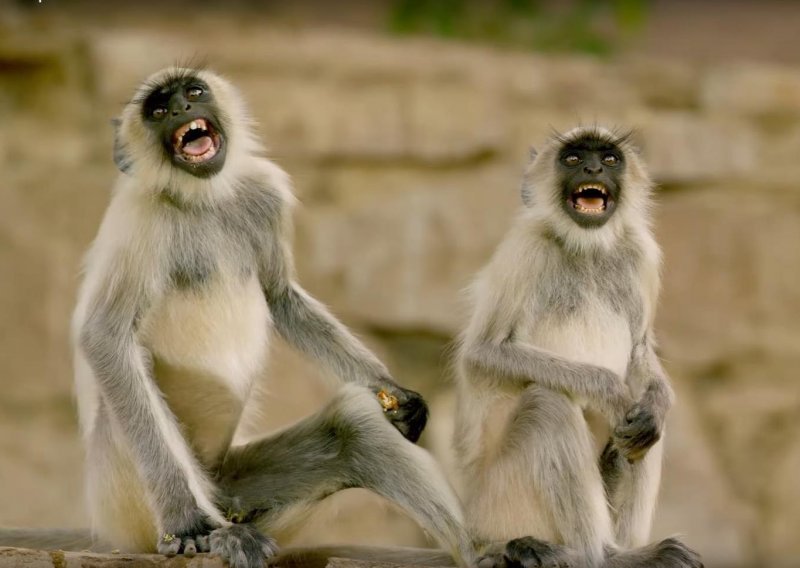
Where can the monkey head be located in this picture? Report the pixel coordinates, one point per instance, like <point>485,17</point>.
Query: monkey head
<point>185,131</point>
<point>590,169</point>
<point>586,185</point>
<point>182,113</point>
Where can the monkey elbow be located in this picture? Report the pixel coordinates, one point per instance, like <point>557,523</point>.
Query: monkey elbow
<point>473,358</point>
<point>669,395</point>
<point>101,343</point>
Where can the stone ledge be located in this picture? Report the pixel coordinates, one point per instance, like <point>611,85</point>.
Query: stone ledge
<point>318,557</point>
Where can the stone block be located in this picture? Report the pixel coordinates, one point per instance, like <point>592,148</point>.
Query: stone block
<point>752,89</point>
<point>686,147</point>
<point>662,83</point>
<point>399,258</point>
<point>697,500</point>
<point>454,122</point>
<point>726,277</point>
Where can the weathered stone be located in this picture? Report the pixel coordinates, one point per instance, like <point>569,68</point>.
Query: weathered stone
<point>416,246</point>
<point>576,85</point>
<point>778,148</point>
<point>454,122</point>
<point>749,89</point>
<point>697,500</point>
<point>685,147</point>
<point>715,269</point>
<point>662,84</point>
<point>780,542</point>
<point>40,438</point>
<point>325,119</point>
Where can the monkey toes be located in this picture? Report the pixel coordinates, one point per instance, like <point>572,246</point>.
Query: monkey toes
<point>186,544</point>
<point>411,415</point>
<point>529,552</point>
<point>242,546</point>
<point>675,554</point>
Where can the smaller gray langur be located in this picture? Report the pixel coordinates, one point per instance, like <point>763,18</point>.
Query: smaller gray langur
<point>559,354</point>
<point>189,273</point>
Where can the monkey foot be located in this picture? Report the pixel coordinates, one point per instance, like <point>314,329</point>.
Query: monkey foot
<point>187,544</point>
<point>528,552</point>
<point>242,546</point>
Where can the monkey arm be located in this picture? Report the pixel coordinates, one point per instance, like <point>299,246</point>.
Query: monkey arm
<point>644,422</point>
<point>521,364</point>
<point>313,330</point>
<point>646,371</point>
<point>308,326</point>
<point>179,490</point>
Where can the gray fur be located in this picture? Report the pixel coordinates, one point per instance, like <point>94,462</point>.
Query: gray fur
<point>347,444</point>
<point>562,325</point>
<point>183,260</point>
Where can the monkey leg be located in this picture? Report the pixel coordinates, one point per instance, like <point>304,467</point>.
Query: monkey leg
<point>632,490</point>
<point>547,462</point>
<point>548,454</point>
<point>276,481</point>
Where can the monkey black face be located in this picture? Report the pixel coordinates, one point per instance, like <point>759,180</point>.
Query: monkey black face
<point>184,114</point>
<point>591,169</point>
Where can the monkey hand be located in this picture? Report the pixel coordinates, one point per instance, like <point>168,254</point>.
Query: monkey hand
<point>638,432</point>
<point>242,546</point>
<point>406,410</point>
<point>188,537</point>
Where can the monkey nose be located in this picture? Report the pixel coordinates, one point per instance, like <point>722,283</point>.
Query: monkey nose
<point>180,109</point>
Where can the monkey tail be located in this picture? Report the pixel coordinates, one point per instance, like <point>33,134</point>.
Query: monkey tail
<point>73,540</point>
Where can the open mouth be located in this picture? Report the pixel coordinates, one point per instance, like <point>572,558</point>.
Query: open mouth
<point>590,198</point>
<point>196,142</point>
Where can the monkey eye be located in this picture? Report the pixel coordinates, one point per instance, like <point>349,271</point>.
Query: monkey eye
<point>610,160</point>
<point>572,159</point>
<point>194,92</point>
<point>159,112</point>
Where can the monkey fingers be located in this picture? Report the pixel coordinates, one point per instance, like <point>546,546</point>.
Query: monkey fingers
<point>529,552</point>
<point>408,412</point>
<point>638,433</point>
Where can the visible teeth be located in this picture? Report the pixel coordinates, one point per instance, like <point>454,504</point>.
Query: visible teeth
<point>193,125</point>
<point>600,188</point>
<point>585,210</point>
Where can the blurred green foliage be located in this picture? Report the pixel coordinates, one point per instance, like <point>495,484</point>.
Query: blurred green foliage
<point>588,26</point>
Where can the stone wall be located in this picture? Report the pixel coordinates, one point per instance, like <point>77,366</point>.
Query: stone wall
<point>406,156</point>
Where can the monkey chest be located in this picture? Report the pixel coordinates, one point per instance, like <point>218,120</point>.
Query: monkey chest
<point>218,331</point>
<point>586,318</point>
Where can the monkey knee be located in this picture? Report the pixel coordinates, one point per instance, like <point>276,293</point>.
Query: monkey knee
<point>545,411</point>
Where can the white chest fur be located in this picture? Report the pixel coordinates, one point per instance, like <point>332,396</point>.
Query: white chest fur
<point>220,330</point>
<point>600,336</point>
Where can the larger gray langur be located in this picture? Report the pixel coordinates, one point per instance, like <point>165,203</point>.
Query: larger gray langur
<point>189,273</point>
<point>560,352</point>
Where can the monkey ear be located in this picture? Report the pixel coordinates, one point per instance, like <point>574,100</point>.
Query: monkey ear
<point>121,157</point>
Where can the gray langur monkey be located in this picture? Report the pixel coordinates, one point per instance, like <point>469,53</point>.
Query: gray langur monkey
<point>190,271</point>
<point>559,353</point>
